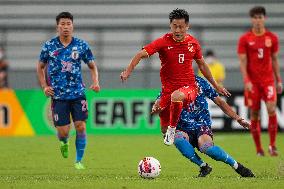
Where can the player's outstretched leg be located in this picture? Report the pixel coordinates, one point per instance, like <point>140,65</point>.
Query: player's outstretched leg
<point>218,154</point>
<point>187,150</point>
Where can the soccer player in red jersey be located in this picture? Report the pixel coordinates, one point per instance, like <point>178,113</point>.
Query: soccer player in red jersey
<point>176,51</point>
<point>258,50</point>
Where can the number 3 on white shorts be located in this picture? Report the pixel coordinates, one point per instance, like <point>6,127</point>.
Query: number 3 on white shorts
<point>180,58</point>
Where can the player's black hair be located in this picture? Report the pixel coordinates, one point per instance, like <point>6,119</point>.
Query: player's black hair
<point>179,14</point>
<point>258,10</point>
<point>64,15</point>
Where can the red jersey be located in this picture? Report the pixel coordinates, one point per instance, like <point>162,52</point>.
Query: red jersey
<point>176,60</point>
<point>259,50</point>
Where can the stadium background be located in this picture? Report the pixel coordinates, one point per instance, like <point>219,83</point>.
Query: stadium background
<point>115,31</point>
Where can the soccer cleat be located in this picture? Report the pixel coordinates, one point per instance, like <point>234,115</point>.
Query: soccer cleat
<point>79,166</point>
<point>64,148</point>
<point>170,136</point>
<point>205,170</point>
<point>260,153</point>
<point>243,171</point>
<point>272,150</point>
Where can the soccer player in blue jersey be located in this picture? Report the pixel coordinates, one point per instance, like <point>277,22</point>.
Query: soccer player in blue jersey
<point>59,73</point>
<point>194,130</point>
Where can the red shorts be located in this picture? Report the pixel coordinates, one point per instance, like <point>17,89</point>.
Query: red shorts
<point>260,91</point>
<point>165,101</point>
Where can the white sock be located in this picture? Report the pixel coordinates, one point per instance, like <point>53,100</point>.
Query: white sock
<point>235,166</point>
<point>203,164</point>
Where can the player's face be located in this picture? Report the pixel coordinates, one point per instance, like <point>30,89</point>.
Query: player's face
<point>258,21</point>
<point>179,29</point>
<point>65,27</point>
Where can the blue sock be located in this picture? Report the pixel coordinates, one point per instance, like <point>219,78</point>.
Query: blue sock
<point>62,139</point>
<point>218,154</point>
<point>80,145</point>
<point>187,150</point>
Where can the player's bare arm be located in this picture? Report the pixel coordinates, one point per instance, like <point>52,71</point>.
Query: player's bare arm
<point>226,108</point>
<point>207,74</point>
<point>95,76</point>
<point>243,68</point>
<point>135,60</point>
<point>48,91</point>
<point>276,70</point>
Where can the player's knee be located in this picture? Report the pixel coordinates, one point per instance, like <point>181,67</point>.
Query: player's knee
<point>80,126</point>
<point>254,114</point>
<point>177,96</point>
<point>204,147</point>
<point>271,110</point>
<point>178,137</point>
<point>64,134</point>
<point>63,131</point>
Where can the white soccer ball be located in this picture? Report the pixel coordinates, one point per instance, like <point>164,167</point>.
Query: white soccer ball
<point>149,167</point>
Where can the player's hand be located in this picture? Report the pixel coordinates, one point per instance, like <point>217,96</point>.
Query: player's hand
<point>95,87</point>
<point>156,107</point>
<point>243,123</point>
<point>223,91</point>
<point>248,86</point>
<point>279,87</point>
<point>124,75</point>
<point>48,91</point>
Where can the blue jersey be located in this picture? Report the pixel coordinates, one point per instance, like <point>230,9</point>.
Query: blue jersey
<point>197,114</point>
<point>64,67</point>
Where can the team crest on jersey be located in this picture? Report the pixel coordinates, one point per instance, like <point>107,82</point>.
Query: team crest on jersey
<point>190,47</point>
<point>268,42</point>
<point>75,53</point>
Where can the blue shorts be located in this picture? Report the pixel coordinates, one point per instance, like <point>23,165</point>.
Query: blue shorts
<point>196,133</point>
<point>64,110</point>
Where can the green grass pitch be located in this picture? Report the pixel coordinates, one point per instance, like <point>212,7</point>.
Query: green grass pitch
<point>111,162</point>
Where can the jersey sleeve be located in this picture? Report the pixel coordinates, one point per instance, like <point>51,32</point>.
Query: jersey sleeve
<point>198,53</point>
<point>154,46</point>
<point>88,56</point>
<point>43,56</point>
<point>242,45</point>
<point>275,44</point>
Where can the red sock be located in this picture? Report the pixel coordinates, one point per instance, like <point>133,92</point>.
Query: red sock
<point>175,110</point>
<point>272,129</point>
<point>255,131</point>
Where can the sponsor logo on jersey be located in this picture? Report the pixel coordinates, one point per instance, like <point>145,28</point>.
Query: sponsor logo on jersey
<point>170,48</point>
<point>190,47</point>
<point>268,42</point>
